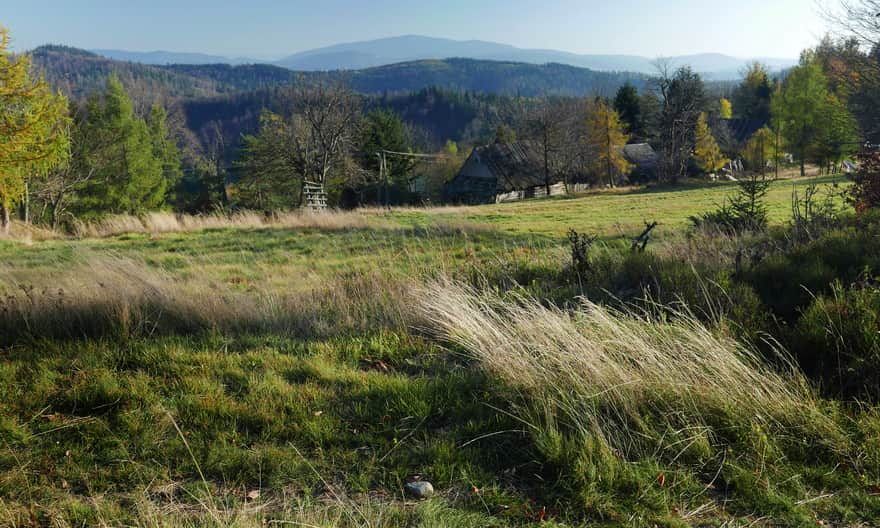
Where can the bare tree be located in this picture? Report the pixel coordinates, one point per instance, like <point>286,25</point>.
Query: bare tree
<point>858,18</point>
<point>331,115</point>
<point>682,99</point>
<point>53,192</point>
<point>552,125</point>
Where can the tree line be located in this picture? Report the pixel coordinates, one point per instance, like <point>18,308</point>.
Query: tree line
<point>66,160</point>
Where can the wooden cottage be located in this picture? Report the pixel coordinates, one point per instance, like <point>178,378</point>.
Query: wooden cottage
<point>501,172</point>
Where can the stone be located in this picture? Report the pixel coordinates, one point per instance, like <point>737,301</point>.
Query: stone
<point>420,489</point>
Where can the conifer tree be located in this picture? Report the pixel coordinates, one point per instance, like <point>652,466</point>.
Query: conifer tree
<point>129,176</point>
<point>33,128</point>
<point>165,148</point>
<point>628,106</point>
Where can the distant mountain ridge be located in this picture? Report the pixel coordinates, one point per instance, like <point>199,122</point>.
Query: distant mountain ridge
<point>411,48</point>
<point>164,58</point>
<point>79,73</point>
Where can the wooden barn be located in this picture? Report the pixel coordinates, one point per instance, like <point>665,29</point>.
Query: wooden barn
<point>501,172</point>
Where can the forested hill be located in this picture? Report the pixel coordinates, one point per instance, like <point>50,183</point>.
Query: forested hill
<point>505,78</point>
<point>79,72</point>
<point>459,99</point>
<point>433,115</point>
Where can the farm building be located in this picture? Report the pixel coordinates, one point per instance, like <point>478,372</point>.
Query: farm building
<point>501,172</point>
<point>643,158</point>
<point>504,172</point>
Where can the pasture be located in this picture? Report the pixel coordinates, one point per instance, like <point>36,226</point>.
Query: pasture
<point>301,371</point>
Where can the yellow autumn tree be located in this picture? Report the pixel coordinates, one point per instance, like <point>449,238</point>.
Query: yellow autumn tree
<point>725,109</point>
<point>33,127</point>
<point>706,150</point>
<point>605,140</point>
<point>759,150</point>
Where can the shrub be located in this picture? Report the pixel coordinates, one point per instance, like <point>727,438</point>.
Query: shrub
<point>838,338</point>
<point>865,192</point>
<point>788,280</point>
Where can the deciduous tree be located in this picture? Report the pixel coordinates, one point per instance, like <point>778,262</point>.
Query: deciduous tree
<point>683,99</point>
<point>725,108</point>
<point>706,150</point>
<point>272,164</point>
<point>605,140</point>
<point>759,150</point>
<point>751,99</point>
<point>331,115</point>
<point>547,124</point>
<point>799,107</point>
<point>33,127</point>
<point>838,136</point>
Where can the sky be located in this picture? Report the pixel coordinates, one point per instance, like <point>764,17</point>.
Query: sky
<point>267,29</point>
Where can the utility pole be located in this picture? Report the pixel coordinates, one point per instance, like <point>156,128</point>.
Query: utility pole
<point>382,183</point>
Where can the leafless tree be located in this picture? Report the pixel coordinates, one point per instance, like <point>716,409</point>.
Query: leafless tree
<point>54,191</point>
<point>331,115</point>
<point>682,99</point>
<point>552,125</point>
<point>857,18</point>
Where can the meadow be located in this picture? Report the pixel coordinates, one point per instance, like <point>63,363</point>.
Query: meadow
<point>300,370</point>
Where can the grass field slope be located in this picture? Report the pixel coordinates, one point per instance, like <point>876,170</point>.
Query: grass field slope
<point>307,368</point>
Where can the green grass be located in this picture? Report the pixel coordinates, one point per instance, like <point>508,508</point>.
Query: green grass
<point>617,212</point>
<point>330,404</point>
<point>96,418</point>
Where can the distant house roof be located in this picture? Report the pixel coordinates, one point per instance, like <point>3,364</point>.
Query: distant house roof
<point>516,165</point>
<point>741,130</point>
<point>641,155</point>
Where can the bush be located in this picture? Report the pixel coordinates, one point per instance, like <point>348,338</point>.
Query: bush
<point>787,281</point>
<point>838,338</point>
<point>865,192</point>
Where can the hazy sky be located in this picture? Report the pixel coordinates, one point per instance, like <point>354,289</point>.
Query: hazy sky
<point>274,28</point>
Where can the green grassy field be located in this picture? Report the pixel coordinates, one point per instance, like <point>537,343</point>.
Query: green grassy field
<point>619,212</point>
<point>290,376</point>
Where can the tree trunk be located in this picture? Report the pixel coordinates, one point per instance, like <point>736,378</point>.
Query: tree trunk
<point>803,167</point>
<point>546,167</point>
<point>5,220</point>
<point>27,204</point>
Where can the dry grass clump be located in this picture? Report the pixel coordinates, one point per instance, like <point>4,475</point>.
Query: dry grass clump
<point>113,296</point>
<point>282,511</point>
<point>635,383</point>
<point>28,233</point>
<point>165,222</point>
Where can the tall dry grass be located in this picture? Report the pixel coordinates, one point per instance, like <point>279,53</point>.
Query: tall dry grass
<point>28,233</point>
<point>165,222</point>
<point>637,384</point>
<point>286,510</point>
<point>115,296</point>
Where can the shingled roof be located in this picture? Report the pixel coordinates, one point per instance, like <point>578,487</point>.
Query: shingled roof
<point>641,155</point>
<point>516,165</point>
